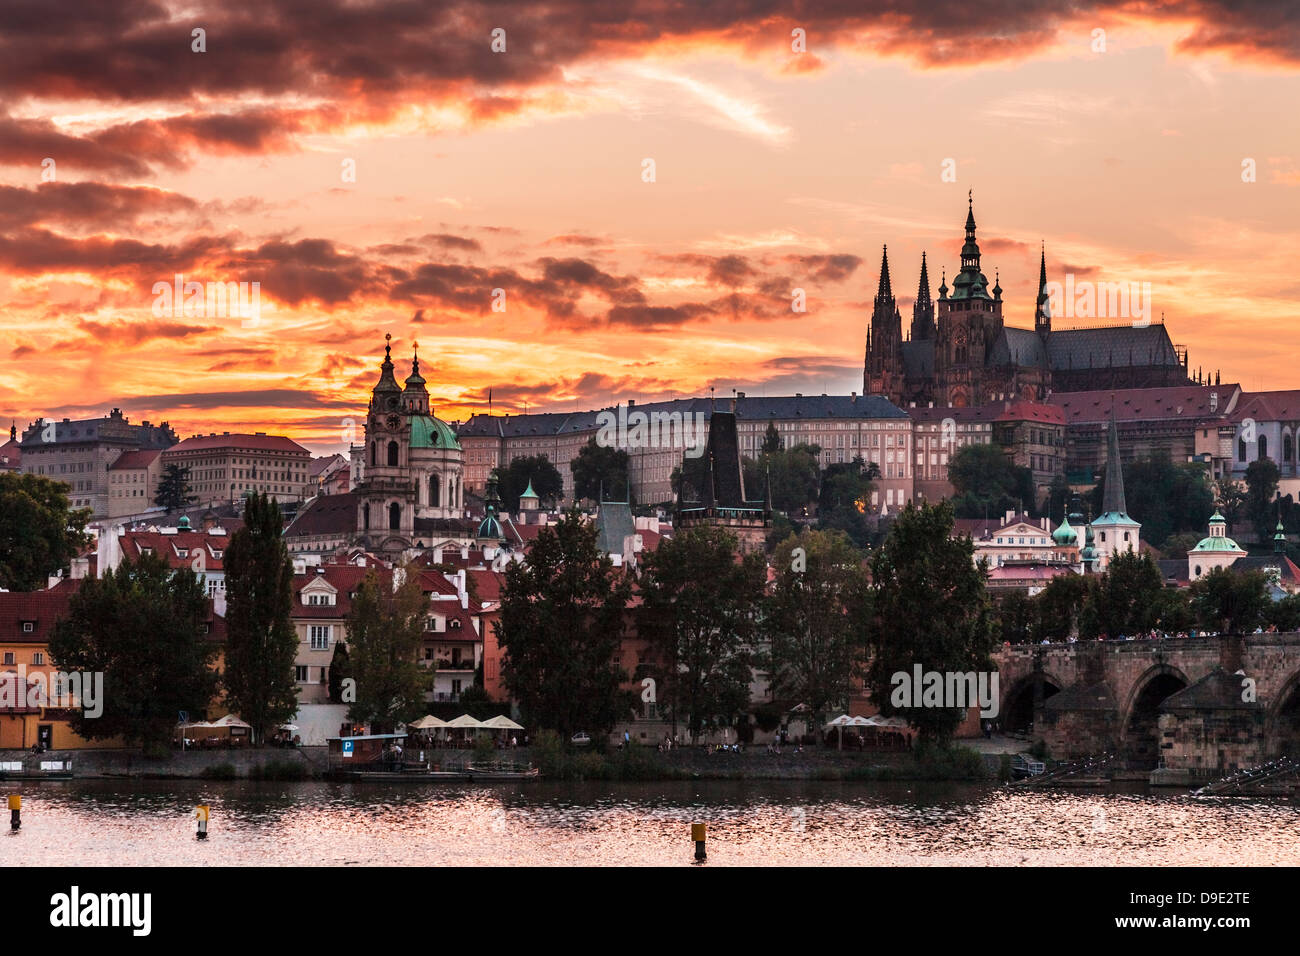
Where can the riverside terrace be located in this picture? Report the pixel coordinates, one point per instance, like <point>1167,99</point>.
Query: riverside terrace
<point>1184,708</point>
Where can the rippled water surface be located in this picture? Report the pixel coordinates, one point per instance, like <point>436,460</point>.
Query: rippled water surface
<point>752,823</point>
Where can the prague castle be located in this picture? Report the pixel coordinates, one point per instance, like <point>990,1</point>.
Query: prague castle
<point>960,353</point>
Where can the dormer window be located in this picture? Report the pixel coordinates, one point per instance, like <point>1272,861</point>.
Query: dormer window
<point>454,624</point>
<point>29,627</point>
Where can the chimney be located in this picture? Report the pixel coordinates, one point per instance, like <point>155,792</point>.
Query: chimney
<point>462,590</point>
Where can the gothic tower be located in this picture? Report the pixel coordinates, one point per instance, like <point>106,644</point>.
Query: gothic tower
<point>923,308</point>
<point>883,370</point>
<point>1042,306</point>
<point>970,320</point>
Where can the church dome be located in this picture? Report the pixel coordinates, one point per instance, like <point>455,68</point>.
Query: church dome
<point>1065,534</point>
<point>430,432</point>
<point>1218,539</point>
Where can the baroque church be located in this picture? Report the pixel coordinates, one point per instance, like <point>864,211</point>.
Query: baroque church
<point>409,467</point>
<point>959,352</point>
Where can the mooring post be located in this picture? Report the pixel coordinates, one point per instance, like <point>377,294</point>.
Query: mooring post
<point>201,814</point>
<point>698,835</point>
<point>15,811</point>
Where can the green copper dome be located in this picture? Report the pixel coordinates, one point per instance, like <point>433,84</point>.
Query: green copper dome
<point>1064,534</point>
<point>1217,541</point>
<point>529,493</point>
<point>430,432</point>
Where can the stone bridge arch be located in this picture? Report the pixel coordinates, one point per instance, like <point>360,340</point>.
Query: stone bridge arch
<point>1139,728</point>
<point>1282,724</point>
<point>1016,709</point>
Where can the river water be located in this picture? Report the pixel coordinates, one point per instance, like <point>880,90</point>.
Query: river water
<point>148,823</point>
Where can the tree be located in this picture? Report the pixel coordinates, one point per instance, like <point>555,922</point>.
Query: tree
<point>771,439</point>
<point>261,642</point>
<point>174,488</point>
<point>1059,608</point>
<point>143,628</point>
<point>1230,602</point>
<point>385,631</point>
<point>704,600</point>
<point>39,533</point>
<point>987,483</point>
<point>340,669</point>
<point>795,477</point>
<point>1261,488</point>
<point>1285,614</point>
<point>1230,498</point>
<point>600,468</point>
<point>845,498</point>
<point>513,480</point>
<point>1125,597</point>
<point>817,617</point>
<point>1017,617</point>
<point>1058,497</point>
<point>560,631</point>
<point>931,608</point>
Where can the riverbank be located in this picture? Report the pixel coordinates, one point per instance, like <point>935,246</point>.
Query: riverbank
<point>635,764</point>
<point>267,764</point>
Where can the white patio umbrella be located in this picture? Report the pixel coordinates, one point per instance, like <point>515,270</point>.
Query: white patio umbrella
<point>502,722</point>
<point>231,720</point>
<point>841,722</point>
<point>465,721</point>
<point>428,722</point>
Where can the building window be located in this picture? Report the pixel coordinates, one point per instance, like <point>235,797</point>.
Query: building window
<point>29,627</point>
<point>9,657</point>
<point>320,637</point>
<point>300,672</point>
<point>392,454</point>
<point>38,658</point>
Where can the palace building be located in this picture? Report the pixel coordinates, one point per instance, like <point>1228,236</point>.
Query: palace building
<point>959,351</point>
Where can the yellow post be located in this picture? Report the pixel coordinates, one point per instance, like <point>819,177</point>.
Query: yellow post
<point>201,814</point>
<point>15,811</point>
<point>698,831</point>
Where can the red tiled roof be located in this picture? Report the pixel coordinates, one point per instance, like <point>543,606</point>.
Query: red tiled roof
<point>1024,411</point>
<point>41,608</point>
<point>1268,406</point>
<point>141,458</point>
<point>239,440</point>
<point>168,546</point>
<point>1147,404</point>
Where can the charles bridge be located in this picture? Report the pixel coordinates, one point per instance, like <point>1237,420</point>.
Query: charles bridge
<point>1189,708</point>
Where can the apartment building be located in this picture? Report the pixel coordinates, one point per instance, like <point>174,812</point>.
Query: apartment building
<point>227,467</point>
<point>80,452</point>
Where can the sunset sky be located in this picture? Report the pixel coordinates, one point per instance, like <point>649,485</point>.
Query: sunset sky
<point>523,171</point>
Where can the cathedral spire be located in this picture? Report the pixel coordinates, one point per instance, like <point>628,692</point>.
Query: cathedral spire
<point>1042,305</point>
<point>923,308</point>
<point>884,292</point>
<point>1113,498</point>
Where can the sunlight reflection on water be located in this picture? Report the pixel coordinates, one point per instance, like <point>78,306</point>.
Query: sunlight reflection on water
<point>151,823</point>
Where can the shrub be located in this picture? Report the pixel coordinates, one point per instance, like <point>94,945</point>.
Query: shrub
<point>219,771</point>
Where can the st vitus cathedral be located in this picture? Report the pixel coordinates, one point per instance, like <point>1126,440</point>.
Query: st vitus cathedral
<point>959,352</point>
